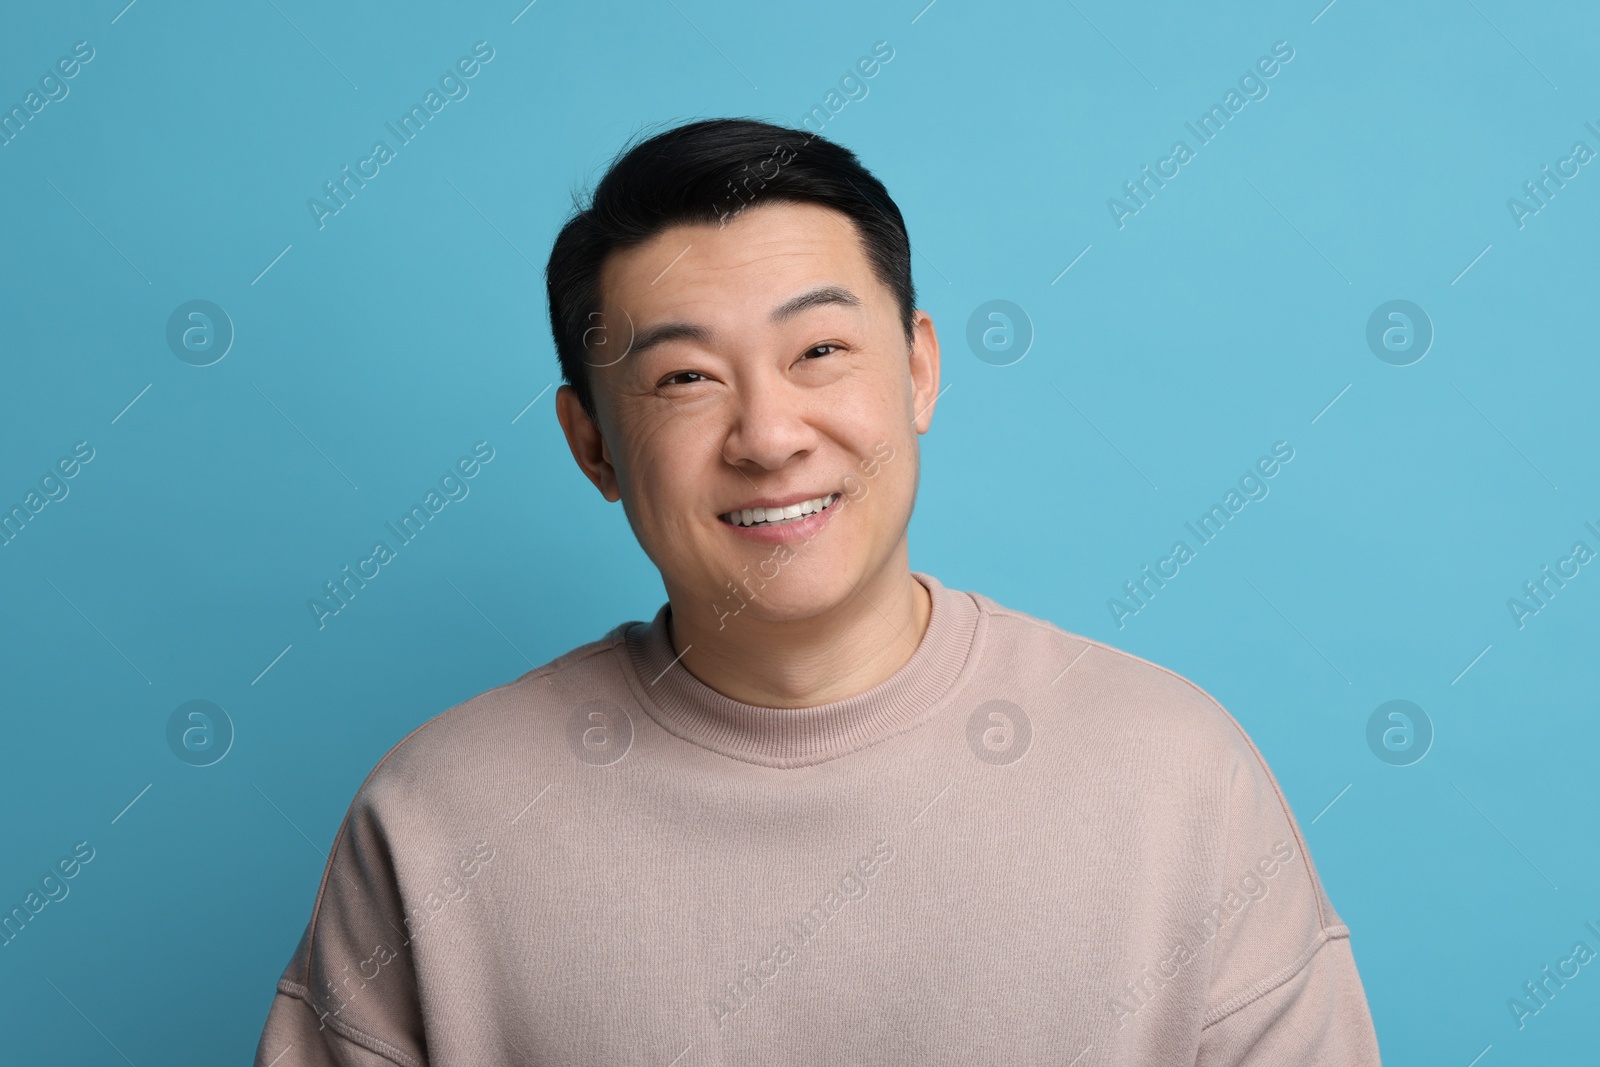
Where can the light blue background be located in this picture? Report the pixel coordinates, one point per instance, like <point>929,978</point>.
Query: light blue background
<point>1224,316</point>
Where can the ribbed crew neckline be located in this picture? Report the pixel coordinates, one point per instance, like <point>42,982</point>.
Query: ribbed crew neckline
<point>795,737</point>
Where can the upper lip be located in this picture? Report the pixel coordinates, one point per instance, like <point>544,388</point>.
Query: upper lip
<point>778,501</point>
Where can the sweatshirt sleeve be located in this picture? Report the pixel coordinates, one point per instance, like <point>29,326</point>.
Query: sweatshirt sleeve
<point>349,997</point>
<point>1283,989</point>
<point>1317,1016</point>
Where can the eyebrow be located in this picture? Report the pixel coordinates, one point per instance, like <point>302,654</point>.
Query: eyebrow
<point>827,294</point>
<point>689,331</point>
<point>668,331</point>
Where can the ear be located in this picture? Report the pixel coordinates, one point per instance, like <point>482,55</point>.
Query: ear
<point>924,364</point>
<point>586,442</point>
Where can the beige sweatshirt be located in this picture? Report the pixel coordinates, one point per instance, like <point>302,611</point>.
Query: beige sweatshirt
<point>1024,847</point>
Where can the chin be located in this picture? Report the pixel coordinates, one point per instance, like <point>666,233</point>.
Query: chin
<point>803,588</point>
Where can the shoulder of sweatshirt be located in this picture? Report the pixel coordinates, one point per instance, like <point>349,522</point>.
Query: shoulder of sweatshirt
<point>1124,719</point>
<point>503,735</point>
<point>1111,694</point>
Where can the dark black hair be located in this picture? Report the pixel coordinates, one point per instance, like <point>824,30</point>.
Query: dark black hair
<point>707,172</point>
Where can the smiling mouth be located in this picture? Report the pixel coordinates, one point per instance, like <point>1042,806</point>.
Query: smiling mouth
<point>779,516</point>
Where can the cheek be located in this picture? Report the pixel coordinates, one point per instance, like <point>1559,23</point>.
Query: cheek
<point>663,472</point>
<point>651,437</point>
<point>896,483</point>
<point>883,464</point>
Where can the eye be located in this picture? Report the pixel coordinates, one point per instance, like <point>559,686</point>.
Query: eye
<point>679,378</point>
<point>825,349</point>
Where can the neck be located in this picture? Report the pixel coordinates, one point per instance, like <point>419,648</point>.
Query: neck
<point>843,651</point>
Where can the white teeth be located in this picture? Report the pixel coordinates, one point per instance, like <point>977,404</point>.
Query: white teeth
<point>751,516</point>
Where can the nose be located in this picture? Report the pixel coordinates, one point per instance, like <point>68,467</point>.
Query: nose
<point>770,423</point>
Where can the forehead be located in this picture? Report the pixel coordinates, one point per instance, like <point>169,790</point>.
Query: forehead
<point>764,251</point>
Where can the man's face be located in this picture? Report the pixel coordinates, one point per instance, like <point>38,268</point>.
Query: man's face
<point>767,366</point>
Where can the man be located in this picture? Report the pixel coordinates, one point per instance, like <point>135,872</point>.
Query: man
<point>821,808</point>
